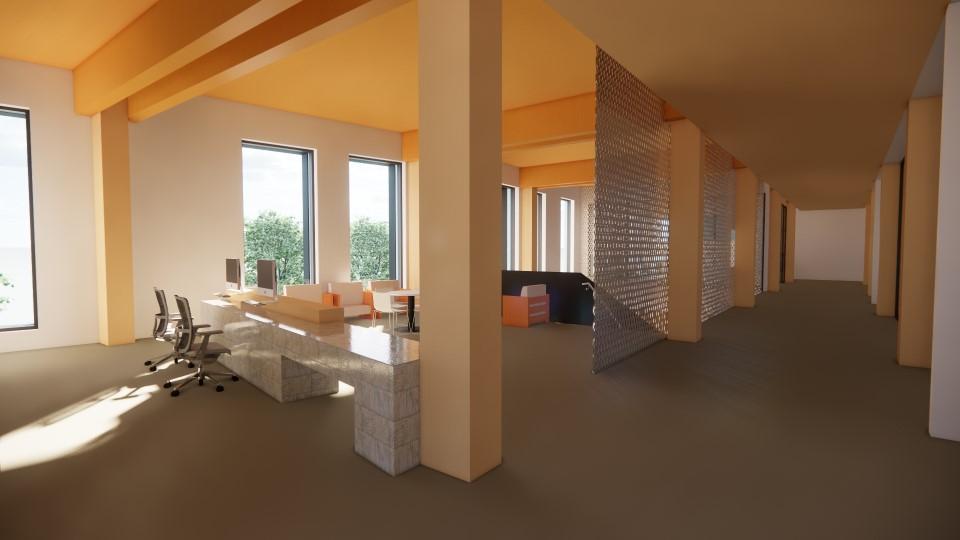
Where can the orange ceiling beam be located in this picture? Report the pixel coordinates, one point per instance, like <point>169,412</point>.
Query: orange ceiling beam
<point>300,26</point>
<point>569,174</point>
<point>562,121</point>
<point>169,35</point>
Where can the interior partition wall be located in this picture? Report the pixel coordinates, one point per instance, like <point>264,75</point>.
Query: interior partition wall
<point>631,222</point>
<point>718,203</point>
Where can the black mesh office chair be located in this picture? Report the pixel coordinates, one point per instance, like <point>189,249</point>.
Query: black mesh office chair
<point>164,329</point>
<point>188,349</point>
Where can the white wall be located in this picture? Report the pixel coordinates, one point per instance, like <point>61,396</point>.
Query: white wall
<point>830,244</point>
<point>187,192</point>
<point>875,241</point>
<point>61,151</point>
<point>945,372</point>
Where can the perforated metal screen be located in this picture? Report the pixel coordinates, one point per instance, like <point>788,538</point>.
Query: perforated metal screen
<point>718,203</point>
<point>631,216</point>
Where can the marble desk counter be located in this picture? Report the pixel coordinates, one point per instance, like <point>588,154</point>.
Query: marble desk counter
<point>291,359</point>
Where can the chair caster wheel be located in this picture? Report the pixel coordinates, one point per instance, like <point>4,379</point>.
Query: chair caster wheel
<point>190,365</point>
<point>219,388</point>
<point>153,368</point>
<point>234,378</point>
<point>148,362</point>
<point>200,382</point>
<point>175,393</point>
<point>167,384</point>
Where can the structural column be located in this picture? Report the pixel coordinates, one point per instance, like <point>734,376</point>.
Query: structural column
<point>744,267</point>
<point>528,228</point>
<point>919,230</point>
<point>773,242</point>
<point>111,176</point>
<point>460,232</point>
<point>889,236</point>
<point>791,247</point>
<point>686,231</point>
<point>868,243</point>
<point>945,373</point>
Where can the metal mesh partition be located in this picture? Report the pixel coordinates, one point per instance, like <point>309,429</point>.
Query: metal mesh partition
<point>718,203</point>
<point>758,248</point>
<point>631,216</point>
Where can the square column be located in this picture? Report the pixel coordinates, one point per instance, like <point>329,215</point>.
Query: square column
<point>773,239</point>
<point>746,246</point>
<point>686,231</point>
<point>945,372</point>
<point>889,231</point>
<point>919,233</point>
<point>868,243</point>
<point>111,177</point>
<point>460,232</point>
<point>790,265</point>
<point>528,229</point>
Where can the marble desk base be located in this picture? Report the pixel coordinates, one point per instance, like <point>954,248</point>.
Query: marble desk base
<point>290,363</point>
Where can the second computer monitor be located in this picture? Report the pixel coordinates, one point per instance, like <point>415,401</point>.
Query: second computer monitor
<point>233,282</point>
<point>267,277</point>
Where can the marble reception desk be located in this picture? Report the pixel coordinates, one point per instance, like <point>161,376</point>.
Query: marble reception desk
<point>293,359</point>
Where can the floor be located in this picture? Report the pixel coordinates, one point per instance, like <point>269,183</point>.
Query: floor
<point>790,420</point>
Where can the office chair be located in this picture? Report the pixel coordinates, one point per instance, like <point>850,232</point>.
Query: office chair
<point>165,329</point>
<point>199,354</point>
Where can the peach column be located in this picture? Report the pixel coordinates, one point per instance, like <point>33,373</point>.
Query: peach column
<point>111,176</point>
<point>686,231</point>
<point>746,246</point>
<point>460,231</point>
<point>773,242</point>
<point>889,231</point>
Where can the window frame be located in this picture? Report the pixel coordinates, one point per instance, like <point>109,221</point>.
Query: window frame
<point>309,176</point>
<point>509,235</point>
<point>566,263</point>
<point>17,112</point>
<point>395,169</point>
<point>541,231</point>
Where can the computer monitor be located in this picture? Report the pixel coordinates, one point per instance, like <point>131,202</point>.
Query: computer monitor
<point>267,277</point>
<point>234,282</point>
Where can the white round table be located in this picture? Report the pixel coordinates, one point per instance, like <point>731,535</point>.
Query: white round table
<point>411,295</point>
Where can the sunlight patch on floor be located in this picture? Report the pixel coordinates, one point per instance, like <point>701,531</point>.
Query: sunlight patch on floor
<point>71,430</point>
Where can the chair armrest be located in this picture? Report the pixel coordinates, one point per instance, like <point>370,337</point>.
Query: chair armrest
<point>331,299</point>
<point>209,332</point>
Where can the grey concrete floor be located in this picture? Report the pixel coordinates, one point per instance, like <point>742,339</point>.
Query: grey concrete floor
<point>790,420</point>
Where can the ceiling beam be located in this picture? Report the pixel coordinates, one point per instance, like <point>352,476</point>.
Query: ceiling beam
<point>304,24</point>
<point>569,174</point>
<point>562,122</point>
<point>167,36</point>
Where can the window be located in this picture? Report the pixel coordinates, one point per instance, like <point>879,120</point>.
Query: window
<point>509,212</point>
<point>375,217</point>
<point>566,235</point>
<point>278,211</point>
<point>541,231</point>
<point>18,292</point>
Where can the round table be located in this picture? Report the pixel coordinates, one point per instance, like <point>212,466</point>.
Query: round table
<point>411,295</point>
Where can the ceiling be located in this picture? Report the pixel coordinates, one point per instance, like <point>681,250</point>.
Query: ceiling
<point>807,94</point>
<point>63,33</point>
<point>368,75</point>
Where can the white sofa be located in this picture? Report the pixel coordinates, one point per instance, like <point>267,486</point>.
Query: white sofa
<point>349,296</point>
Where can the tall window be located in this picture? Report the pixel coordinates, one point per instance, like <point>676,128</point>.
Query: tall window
<point>541,231</point>
<point>509,213</point>
<point>566,235</point>
<point>375,217</point>
<point>18,293</point>
<point>278,211</point>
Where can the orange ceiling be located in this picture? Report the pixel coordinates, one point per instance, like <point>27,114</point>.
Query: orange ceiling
<point>62,33</point>
<point>368,74</point>
<point>807,93</point>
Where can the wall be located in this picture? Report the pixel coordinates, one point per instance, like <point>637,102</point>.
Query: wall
<point>830,244</point>
<point>63,207</point>
<point>187,192</point>
<point>875,239</point>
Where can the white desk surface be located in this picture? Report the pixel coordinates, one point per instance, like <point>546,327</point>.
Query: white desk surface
<point>405,292</point>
